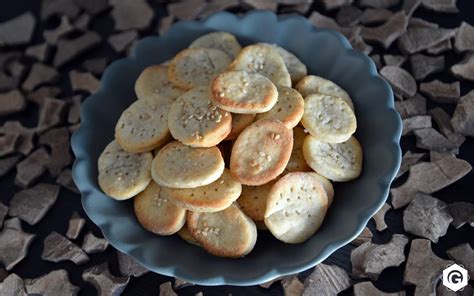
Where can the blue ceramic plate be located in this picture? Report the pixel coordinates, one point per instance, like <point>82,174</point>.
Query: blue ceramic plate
<point>326,53</point>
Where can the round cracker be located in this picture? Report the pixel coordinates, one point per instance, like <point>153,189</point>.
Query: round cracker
<point>297,162</point>
<point>186,235</point>
<point>289,108</point>
<point>227,233</point>
<point>194,67</point>
<point>328,118</point>
<point>244,92</point>
<point>253,200</point>
<point>154,82</point>
<point>179,166</point>
<point>338,162</point>
<point>261,152</point>
<point>296,207</point>
<point>219,40</point>
<point>239,123</point>
<point>143,126</point>
<point>312,84</point>
<point>214,197</point>
<point>156,213</point>
<point>264,60</point>
<point>123,175</point>
<point>195,121</point>
<point>327,185</point>
<point>295,67</point>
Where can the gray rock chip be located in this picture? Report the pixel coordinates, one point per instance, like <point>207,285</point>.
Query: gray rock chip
<point>100,277</point>
<point>167,290</point>
<point>8,163</point>
<point>54,283</point>
<point>92,6</point>
<point>369,260</point>
<point>8,82</point>
<point>165,23</point>
<point>387,33</point>
<point>95,66</point>
<point>373,16</point>
<point>57,248</point>
<point>413,106</point>
<point>25,143</point>
<point>416,122</point>
<point>333,4</point>
<point>68,49</point>
<point>12,285</point>
<point>377,60</point>
<point>14,244</point>
<point>409,6</point>
<point>443,291</point>
<point>464,39</point>
<point>441,92</point>
<point>189,10</point>
<point>379,217</point>
<point>365,236</point>
<point>18,30</point>
<point>31,205</point>
<point>75,226</point>
<point>59,7</point>
<point>74,113</point>
<point>292,286</point>
<point>64,27</point>
<point>122,40</point>
<point>348,15</point>
<point>65,179</point>
<point>423,268</point>
<point>38,51</point>
<point>57,140</point>
<point>129,267</point>
<point>427,217</point>
<point>443,121</point>
<point>3,213</point>
<point>368,289</point>
<point>400,80</point>
<point>180,284</point>
<point>82,81</point>
<point>463,117</point>
<point>81,23</point>
<point>465,69</point>
<point>463,254</point>
<point>462,213</point>
<point>50,114</point>
<point>14,223</point>
<point>394,60</point>
<point>8,144</point>
<point>420,38</point>
<point>39,95</point>
<point>326,280</point>
<point>429,177</point>
<point>39,74</point>
<point>217,6</point>
<point>443,46</point>
<point>30,169</point>
<point>129,15</point>
<point>378,3</point>
<point>409,159</point>
<point>446,6</point>
<point>423,65</point>
<point>93,244</point>
<point>431,139</point>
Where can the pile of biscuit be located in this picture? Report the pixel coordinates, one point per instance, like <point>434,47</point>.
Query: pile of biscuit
<point>218,144</point>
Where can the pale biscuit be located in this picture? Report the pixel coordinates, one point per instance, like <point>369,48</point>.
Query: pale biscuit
<point>143,126</point>
<point>328,118</point>
<point>261,152</point>
<point>239,123</point>
<point>289,108</point>
<point>338,162</point>
<point>195,121</point>
<point>186,235</point>
<point>327,185</point>
<point>123,175</point>
<point>214,197</point>
<point>179,166</point>
<point>297,162</point>
<point>295,67</point>
<point>253,200</point>
<point>244,92</point>
<point>219,40</point>
<point>296,207</point>
<point>227,233</point>
<point>156,213</point>
<point>154,82</point>
<point>194,67</point>
<point>264,60</point>
<point>312,84</point>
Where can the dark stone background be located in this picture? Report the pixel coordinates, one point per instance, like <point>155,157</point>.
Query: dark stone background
<point>391,279</point>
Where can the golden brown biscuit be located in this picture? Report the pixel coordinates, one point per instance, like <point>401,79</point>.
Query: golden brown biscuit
<point>195,121</point>
<point>261,152</point>
<point>194,67</point>
<point>327,185</point>
<point>228,233</point>
<point>295,67</point>
<point>239,123</point>
<point>214,197</point>
<point>264,60</point>
<point>297,162</point>
<point>154,82</point>
<point>253,200</point>
<point>179,166</point>
<point>288,109</point>
<point>219,40</point>
<point>296,207</point>
<point>143,126</point>
<point>312,84</point>
<point>244,92</point>
<point>157,213</point>
<point>185,234</point>
<point>123,175</point>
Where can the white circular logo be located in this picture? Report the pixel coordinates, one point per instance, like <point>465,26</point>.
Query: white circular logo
<point>455,277</point>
